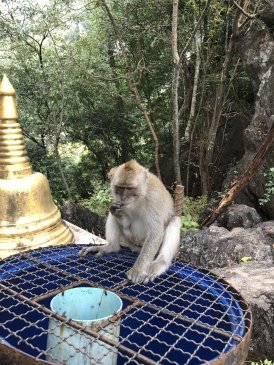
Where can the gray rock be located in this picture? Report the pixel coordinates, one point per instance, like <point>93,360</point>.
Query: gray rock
<point>221,250</point>
<point>217,247</point>
<point>83,218</point>
<point>239,215</point>
<point>255,282</point>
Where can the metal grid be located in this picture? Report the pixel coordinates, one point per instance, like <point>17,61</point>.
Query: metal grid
<point>187,316</point>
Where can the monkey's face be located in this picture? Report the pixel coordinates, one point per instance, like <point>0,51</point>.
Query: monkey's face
<point>125,194</point>
<point>128,183</point>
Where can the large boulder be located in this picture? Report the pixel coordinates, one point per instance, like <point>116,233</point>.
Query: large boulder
<point>218,247</point>
<point>83,218</point>
<point>239,215</point>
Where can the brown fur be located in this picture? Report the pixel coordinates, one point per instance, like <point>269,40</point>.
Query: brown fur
<point>126,173</point>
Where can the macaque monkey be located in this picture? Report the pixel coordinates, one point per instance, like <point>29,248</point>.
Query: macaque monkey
<point>142,218</point>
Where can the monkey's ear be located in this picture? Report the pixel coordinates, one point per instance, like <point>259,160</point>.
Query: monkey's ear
<point>111,173</point>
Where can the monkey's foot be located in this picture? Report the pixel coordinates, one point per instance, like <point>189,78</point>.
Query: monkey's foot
<point>158,267</point>
<point>137,275</point>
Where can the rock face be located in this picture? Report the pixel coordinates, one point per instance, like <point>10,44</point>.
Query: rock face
<point>217,247</point>
<point>255,282</point>
<point>244,257</point>
<point>223,248</point>
<point>256,47</point>
<point>83,218</point>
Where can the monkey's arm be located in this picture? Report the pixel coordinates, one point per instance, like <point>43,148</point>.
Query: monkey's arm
<point>113,237</point>
<point>140,270</point>
<point>169,249</point>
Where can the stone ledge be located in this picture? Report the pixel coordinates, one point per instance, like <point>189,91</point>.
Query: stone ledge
<point>83,237</point>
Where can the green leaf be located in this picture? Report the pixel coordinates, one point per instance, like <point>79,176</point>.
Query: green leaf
<point>245,259</point>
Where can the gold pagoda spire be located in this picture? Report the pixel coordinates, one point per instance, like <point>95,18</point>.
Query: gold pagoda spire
<point>14,160</point>
<point>28,216</point>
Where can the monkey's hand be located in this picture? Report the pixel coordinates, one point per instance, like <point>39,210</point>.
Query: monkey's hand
<point>98,249</point>
<point>116,209</point>
<point>137,274</point>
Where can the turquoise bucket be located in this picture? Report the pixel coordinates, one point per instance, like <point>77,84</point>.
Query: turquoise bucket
<point>88,307</point>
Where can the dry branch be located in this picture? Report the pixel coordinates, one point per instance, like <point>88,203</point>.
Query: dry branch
<point>244,179</point>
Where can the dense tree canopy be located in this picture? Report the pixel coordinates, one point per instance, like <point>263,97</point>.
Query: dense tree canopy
<point>101,82</point>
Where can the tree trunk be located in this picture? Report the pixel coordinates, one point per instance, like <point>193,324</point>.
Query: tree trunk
<point>174,95</point>
<point>206,156</point>
<point>194,92</point>
<point>133,88</point>
<point>125,145</point>
<point>62,173</point>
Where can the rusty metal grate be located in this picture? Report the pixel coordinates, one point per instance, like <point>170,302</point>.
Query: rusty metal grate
<point>187,316</point>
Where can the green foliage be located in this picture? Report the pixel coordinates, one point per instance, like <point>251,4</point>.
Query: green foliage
<point>77,166</point>
<point>46,164</point>
<point>194,206</point>
<point>269,187</point>
<point>100,199</point>
<point>264,362</point>
<point>72,84</point>
<point>188,223</point>
<point>192,209</point>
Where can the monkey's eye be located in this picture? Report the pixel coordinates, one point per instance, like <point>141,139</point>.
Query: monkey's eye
<point>121,189</point>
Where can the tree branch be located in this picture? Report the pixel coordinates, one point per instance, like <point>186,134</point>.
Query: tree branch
<point>194,30</point>
<point>174,94</point>
<point>133,89</point>
<point>194,92</point>
<point>244,179</point>
<point>250,16</point>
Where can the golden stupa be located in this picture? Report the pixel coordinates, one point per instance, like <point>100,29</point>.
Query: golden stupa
<point>28,217</point>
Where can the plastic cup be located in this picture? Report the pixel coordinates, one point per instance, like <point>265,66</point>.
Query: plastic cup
<point>88,307</point>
